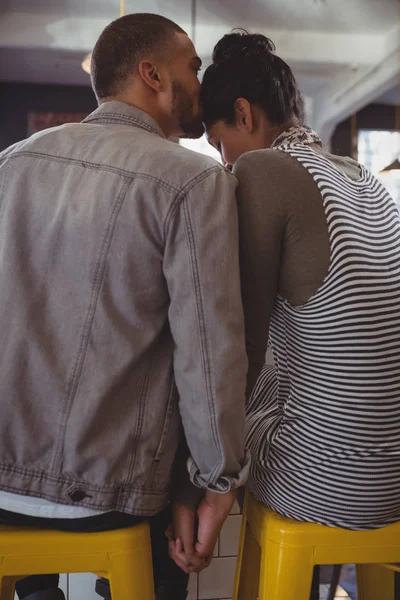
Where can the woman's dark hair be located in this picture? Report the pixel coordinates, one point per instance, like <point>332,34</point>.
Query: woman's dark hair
<point>123,44</point>
<point>245,66</point>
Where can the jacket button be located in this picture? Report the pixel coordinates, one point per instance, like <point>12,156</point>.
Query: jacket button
<point>78,495</point>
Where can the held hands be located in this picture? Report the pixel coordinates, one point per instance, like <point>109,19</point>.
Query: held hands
<point>192,550</point>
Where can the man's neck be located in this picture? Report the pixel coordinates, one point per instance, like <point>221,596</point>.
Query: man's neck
<point>146,106</point>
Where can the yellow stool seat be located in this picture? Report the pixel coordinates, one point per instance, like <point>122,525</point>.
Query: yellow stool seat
<point>277,556</point>
<point>123,556</point>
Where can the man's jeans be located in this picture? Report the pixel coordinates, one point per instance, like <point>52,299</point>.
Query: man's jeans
<point>166,573</point>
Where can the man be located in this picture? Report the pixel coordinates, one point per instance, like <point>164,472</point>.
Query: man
<point>120,312</point>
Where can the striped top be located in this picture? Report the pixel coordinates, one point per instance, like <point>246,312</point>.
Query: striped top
<point>324,425</point>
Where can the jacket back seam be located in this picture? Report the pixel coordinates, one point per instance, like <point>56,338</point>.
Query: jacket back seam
<point>142,397</point>
<point>95,166</point>
<point>113,117</point>
<point>202,326</point>
<point>73,379</point>
<point>46,476</point>
<point>183,194</point>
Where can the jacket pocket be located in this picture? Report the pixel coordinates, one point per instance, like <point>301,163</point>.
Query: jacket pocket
<point>167,445</point>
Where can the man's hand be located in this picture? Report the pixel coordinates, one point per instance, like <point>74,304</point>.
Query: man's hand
<point>190,555</point>
<point>182,537</point>
<point>212,512</point>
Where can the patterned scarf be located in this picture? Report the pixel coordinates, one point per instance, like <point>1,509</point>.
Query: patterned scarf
<point>297,135</point>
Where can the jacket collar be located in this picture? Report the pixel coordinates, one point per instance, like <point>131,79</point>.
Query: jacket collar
<point>125,114</point>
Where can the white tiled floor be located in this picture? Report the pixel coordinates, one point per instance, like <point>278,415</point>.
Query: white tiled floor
<point>193,588</point>
<point>82,585</point>
<point>217,580</point>
<point>230,534</point>
<point>324,590</point>
<point>64,585</point>
<point>216,583</point>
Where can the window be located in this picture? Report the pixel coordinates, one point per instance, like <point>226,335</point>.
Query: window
<point>378,149</point>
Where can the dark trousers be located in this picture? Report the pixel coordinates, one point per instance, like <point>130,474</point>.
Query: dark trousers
<point>166,573</point>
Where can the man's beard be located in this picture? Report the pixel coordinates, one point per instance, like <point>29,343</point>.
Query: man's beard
<point>190,124</point>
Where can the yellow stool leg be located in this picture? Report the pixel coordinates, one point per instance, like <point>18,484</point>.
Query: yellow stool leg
<point>7,587</point>
<point>131,576</point>
<point>248,566</point>
<point>374,581</point>
<point>286,572</point>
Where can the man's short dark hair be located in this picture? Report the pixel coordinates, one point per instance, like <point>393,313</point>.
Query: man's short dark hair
<point>123,44</point>
<point>245,66</point>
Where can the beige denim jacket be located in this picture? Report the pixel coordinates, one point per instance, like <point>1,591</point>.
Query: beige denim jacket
<point>120,315</point>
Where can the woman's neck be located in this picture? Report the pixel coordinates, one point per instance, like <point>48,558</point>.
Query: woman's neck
<point>274,131</point>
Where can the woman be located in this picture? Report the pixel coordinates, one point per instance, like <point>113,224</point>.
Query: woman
<point>320,259</point>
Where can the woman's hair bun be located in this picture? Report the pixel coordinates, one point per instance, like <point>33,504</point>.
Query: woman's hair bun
<point>240,43</point>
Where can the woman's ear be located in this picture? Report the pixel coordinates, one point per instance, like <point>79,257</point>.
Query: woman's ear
<point>243,115</point>
<point>150,75</point>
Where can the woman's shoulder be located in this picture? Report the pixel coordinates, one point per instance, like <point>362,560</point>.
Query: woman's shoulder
<point>270,164</point>
<point>285,168</point>
<point>345,164</point>
<point>265,158</point>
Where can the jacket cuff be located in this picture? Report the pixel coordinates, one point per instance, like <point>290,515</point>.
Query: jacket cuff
<point>224,483</point>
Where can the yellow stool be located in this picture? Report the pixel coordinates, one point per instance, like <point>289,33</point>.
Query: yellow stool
<point>123,556</point>
<point>277,556</point>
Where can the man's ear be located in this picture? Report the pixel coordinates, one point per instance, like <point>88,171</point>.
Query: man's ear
<point>150,75</point>
<point>243,115</point>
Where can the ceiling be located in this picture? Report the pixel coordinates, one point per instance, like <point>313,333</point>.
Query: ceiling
<point>392,97</point>
<point>341,16</point>
<point>345,16</point>
<point>344,52</point>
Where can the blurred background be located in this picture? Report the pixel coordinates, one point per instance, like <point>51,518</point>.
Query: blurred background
<point>345,54</point>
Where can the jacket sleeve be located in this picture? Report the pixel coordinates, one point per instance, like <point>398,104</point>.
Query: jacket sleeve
<point>201,267</point>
